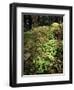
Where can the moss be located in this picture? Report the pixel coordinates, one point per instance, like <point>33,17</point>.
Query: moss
<point>44,48</point>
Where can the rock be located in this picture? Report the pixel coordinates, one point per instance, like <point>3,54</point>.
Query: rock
<point>26,56</point>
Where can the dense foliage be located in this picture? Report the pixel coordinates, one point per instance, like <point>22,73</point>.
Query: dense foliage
<point>43,50</point>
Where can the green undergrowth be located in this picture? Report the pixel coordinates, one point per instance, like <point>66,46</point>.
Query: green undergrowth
<point>43,50</point>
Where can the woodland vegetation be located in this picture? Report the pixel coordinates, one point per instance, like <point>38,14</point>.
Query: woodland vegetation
<point>43,44</point>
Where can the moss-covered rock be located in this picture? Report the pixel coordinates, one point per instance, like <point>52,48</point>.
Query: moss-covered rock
<point>43,49</point>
